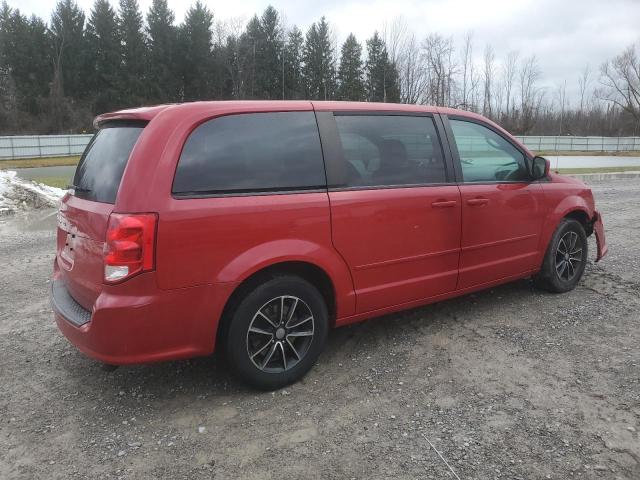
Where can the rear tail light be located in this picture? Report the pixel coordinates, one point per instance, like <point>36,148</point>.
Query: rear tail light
<point>130,245</point>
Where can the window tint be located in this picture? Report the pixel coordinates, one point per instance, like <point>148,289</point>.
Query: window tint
<point>486,156</point>
<point>103,162</point>
<point>251,153</point>
<point>390,150</point>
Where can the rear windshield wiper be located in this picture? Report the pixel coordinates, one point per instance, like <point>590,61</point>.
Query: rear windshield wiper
<point>79,189</point>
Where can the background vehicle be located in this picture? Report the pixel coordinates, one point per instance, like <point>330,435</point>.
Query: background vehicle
<point>257,226</point>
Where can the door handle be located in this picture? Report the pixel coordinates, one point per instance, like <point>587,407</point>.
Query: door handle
<point>444,204</point>
<point>474,202</point>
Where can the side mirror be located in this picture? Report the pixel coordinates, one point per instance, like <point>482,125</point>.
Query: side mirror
<point>540,167</point>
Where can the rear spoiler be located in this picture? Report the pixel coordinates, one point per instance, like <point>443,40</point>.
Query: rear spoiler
<point>142,114</point>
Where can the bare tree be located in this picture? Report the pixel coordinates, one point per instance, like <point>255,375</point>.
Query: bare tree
<point>467,69</point>
<point>395,36</point>
<point>236,56</point>
<point>508,80</point>
<point>497,97</point>
<point>530,95</point>
<point>412,71</point>
<point>620,79</point>
<point>488,74</point>
<point>561,94</point>
<point>584,82</point>
<point>438,56</point>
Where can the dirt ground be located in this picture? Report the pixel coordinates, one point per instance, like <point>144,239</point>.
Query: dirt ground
<point>510,383</point>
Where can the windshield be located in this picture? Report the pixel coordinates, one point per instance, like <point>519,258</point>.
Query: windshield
<point>101,167</point>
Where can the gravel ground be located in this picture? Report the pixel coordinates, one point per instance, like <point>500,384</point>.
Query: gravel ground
<point>508,383</point>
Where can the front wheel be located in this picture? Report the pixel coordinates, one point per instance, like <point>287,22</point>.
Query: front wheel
<point>565,259</point>
<point>277,332</point>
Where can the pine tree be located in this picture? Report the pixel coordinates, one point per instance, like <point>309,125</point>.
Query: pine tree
<point>196,43</point>
<point>250,52</point>
<point>38,60</point>
<point>104,46</point>
<point>294,86</point>
<point>269,56</point>
<point>134,52</point>
<point>234,64</point>
<point>163,76</point>
<point>70,51</point>
<point>392,79</point>
<point>8,110</point>
<point>24,59</point>
<point>350,73</point>
<point>24,65</point>
<point>381,75</point>
<point>319,69</point>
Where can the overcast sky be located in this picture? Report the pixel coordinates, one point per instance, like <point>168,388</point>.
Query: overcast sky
<point>565,35</point>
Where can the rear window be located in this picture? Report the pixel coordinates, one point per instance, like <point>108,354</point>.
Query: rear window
<point>257,152</point>
<point>103,162</point>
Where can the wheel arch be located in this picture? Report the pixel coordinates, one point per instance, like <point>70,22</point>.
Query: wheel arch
<point>309,271</point>
<point>583,217</point>
<point>574,207</point>
<point>287,252</point>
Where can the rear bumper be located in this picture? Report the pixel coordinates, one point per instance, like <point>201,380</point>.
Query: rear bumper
<point>136,322</point>
<point>65,306</point>
<point>601,240</point>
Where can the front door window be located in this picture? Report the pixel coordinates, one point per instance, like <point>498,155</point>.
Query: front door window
<point>485,156</point>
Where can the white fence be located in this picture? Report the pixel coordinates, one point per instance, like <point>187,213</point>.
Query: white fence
<point>580,144</point>
<point>29,146</point>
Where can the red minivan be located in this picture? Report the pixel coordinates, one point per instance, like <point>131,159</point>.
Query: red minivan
<point>254,227</point>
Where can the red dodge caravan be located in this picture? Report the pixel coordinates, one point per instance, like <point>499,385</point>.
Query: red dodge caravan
<point>254,227</point>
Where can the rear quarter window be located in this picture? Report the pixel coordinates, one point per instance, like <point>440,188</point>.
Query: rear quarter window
<point>257,152</point>
<point>102,164</point>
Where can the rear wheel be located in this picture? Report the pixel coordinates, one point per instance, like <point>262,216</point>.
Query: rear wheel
<point>277,332</point>
<point>565,259</point>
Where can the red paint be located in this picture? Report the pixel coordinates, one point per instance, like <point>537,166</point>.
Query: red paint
<point>500,231</point>
<point>384,250</point>
<point>601,241</point>
<point>399,247</point>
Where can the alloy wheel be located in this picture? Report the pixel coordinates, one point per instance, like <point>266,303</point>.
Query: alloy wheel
<point>568,256</point>
<point>280,334</point>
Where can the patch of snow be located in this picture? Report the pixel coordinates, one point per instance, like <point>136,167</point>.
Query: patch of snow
<point>16,193</point>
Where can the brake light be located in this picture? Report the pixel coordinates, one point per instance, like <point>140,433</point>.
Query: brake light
<point>130,245</point>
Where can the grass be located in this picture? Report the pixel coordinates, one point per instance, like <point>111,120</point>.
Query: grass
<point>569,171</point>
<point>588,154</point>
<point>39,162</point>
<point>59,182</point>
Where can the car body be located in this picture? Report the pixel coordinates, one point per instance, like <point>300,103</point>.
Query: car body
<point>371,240</point>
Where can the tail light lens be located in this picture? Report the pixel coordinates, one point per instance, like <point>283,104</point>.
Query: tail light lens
<point>130,245</point>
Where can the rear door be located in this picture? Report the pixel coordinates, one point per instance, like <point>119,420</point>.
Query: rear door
<point>502,209</point>
<point>395,212</point>
<point>84,213</point>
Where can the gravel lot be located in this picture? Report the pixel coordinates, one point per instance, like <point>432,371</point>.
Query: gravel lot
<point>509,383</point>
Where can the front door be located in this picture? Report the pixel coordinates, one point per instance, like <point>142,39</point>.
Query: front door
<point>395,220</point>
<point>502,210</point>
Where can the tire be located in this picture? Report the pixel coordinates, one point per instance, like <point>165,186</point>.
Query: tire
<point>267,349</point>
<point>565,259</point>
